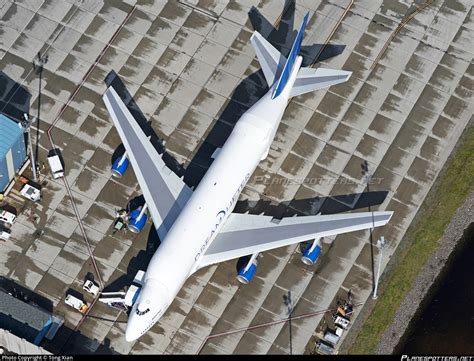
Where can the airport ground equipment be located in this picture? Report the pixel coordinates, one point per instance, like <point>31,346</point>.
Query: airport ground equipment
<point>4,234</point>
<point>91,288</point>
<point>124,300</point>
<point>31,192</point>
<point>76,303</point>
<point>56,166</point>
<point>7,217</point>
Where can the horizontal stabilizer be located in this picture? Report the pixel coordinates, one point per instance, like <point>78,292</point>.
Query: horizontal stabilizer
<point>310,79</point>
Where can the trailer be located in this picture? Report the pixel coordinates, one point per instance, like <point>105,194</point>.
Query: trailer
<point>331,337</point>
<point>325,349</point>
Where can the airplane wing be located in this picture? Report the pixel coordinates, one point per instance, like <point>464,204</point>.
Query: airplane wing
<point>310,79</point>
<point>246,234</point>
<point>164,193</point>
<point>270,59</point>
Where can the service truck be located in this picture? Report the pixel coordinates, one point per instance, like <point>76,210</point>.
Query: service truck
<point>56,166</point>
<point>76,303</point>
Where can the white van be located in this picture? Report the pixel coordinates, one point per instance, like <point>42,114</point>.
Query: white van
<point>56,166</point>
<point>7,217</point>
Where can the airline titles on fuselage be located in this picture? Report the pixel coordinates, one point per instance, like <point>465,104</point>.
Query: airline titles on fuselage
<point>221,215</point>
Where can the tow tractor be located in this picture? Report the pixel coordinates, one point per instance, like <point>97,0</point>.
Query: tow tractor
<point>91,287</point>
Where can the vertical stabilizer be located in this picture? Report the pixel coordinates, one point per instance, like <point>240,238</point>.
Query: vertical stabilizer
<point>285,75</point>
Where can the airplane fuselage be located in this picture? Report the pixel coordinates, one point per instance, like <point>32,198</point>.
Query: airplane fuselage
<point>208,208</point>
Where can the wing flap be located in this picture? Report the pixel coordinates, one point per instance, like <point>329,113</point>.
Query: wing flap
<point>164,193</point>
<point>245,234</point>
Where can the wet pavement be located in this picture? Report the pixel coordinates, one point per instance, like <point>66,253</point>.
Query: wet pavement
<point>191,71</point>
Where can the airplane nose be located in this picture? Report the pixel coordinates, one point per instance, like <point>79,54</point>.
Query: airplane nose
<point>132,332</point>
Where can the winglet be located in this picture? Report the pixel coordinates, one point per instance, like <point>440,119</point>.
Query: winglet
<point>285,75</point>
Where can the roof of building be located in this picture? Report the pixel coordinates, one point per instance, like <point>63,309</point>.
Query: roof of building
<point>12,344</point>
<point>9,133</point>
<point>15,314</point>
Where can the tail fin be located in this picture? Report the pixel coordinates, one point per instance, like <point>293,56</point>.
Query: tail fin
<point>291,60</point>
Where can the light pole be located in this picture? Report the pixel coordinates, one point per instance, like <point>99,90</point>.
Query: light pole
<point>289,303</point>
<point>368,177</point>
<point>26,124</point>
<point>380,246</point>
<point>38,65</point>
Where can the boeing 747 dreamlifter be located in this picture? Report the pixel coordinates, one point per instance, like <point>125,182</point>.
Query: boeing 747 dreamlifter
<point>197,228</point>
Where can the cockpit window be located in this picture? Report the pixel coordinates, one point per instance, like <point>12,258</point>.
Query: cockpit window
<point>141,313</point>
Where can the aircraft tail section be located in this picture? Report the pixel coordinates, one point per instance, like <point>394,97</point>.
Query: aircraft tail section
<point>309,79</point>
<point>275,66</point>
<point>277,69</point>
<point>295,49</point>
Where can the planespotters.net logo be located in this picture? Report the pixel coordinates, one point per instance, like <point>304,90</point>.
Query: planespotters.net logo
<point>437,358</point>
<point>267,180</point>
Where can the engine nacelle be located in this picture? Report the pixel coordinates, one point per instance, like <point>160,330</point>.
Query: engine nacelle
<point>137,219</point>
<point>120,166</point>
<point>247,272</point>
<point>311,253</point>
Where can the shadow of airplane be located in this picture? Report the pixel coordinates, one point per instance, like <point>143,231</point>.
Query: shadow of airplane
<point>14,99</point>
<point>282,37</point>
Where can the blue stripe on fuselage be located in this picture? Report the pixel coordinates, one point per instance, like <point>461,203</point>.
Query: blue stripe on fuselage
<point>295,49</point>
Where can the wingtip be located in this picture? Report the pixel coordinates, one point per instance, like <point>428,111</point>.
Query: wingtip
<point>389,214</point>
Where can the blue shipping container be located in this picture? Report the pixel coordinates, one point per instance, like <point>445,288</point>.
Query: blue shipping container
<point>12,150</point>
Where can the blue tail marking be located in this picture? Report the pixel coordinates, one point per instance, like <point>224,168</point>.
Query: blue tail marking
<point>295,49</point>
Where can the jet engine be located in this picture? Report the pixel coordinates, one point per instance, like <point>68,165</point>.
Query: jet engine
<point>312,252</point>
<point>247,272</point>
<point>137,219</point>
<point>120,166</point>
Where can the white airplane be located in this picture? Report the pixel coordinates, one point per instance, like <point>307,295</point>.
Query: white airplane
<point>198,228</point>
